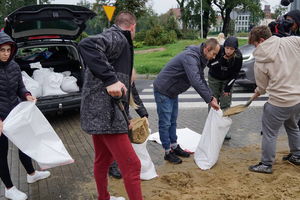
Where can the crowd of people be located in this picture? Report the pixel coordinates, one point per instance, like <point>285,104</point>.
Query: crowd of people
<point>108,58</point>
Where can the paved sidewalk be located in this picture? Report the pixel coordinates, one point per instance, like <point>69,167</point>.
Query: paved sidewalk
<point>66,181</point>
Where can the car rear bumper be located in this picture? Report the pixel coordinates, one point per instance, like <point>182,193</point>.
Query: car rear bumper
<point>59,103</point>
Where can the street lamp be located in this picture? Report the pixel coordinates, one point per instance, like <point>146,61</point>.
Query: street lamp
<point>201,20</point>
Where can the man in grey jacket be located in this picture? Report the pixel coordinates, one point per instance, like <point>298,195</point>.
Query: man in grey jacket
<point>183,71</point>
<point>108,58</point>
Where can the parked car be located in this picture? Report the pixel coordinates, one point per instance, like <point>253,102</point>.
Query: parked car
<point>246,75</point>
<point>40,29</point>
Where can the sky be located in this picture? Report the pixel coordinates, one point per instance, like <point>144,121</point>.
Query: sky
<point>162,6</point>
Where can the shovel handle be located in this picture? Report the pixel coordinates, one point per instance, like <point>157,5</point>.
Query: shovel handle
<point>250,100</point>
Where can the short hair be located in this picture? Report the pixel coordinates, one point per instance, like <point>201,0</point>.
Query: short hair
<point>259,32</point>
<point>212,42</point>
<point>125,18</point>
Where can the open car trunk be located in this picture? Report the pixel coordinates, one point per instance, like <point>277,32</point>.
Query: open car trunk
<point>60,57</point>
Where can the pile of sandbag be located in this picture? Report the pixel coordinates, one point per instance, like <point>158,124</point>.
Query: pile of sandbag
<point>45,82</point>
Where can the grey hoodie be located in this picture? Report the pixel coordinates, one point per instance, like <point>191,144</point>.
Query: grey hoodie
<point>183,71</point>
<point>277,70</point>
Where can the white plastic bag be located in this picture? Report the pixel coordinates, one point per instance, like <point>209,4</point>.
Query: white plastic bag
<point>31,85</point>
<point>29,130</point>
<point>40,74</point>
<point>147,170</point>
<point>52,83</point>
<point>214,132</point>
<point>69,84</point>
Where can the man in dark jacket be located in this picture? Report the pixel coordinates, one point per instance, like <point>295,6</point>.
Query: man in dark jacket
<point>183,71</point>
<point>223,71</point>
<point>108,58</point>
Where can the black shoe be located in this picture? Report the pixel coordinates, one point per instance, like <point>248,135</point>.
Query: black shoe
<point>114,171</point>
<point>228,136</point>
<point>172,158</point>
<point>261,168</point>
<point>286,157</point>
<point>180,152</point>
<point>294,159</point>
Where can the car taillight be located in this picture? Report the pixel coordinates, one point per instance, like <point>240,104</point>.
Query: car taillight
<point>44,37</point>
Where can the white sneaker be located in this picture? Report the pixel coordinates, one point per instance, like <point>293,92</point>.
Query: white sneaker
<point>116,198</point>
<point>15,194</point>
<point>38,175</point>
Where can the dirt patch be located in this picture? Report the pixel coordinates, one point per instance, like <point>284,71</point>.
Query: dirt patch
<point>229,179</point>
<point>149,50</point>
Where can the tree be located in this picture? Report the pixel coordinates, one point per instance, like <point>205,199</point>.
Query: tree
<point>193,15</point>
<point>181,4</point>
<point>8,6</point>
<point>226,7</point>
<point>279,11</point>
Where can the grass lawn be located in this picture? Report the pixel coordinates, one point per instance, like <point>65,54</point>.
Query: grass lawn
<point>152,63</point>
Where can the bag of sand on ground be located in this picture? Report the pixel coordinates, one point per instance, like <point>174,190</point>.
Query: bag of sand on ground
<point>30,131</point>
<point>211,141</point>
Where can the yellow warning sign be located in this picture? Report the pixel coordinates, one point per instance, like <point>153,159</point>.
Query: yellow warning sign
<point>109,11</point>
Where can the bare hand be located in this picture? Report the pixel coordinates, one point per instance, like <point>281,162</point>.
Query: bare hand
<point>214,104</point>
<point>115,90</point>
<point>31,98</point>
<point>130,126</point>
<point>1,127</point>
<point>226,93</point>
<point>147,121</point>
<point>256,94</point>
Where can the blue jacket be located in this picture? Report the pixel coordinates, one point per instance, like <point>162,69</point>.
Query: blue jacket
<point>12,89</point>
<point>184,70</point>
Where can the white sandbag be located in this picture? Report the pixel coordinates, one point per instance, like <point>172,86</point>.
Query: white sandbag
<point>66,73</point>
<point>211,141</point>
<point>36,65</point>
<point>31,85</point>
<point>29,130</point>
<point>148,171</point>
<point>52,83</point>
<point>69,84</point>
<point>40,74</point>
<point>187,139</point>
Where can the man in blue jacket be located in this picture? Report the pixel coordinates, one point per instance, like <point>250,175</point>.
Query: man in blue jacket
<point>183,71</point>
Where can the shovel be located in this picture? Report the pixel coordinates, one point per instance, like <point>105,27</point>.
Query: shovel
<point>239,108</point>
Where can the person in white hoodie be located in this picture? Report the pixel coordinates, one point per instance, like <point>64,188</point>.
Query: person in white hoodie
<point>277,73</point>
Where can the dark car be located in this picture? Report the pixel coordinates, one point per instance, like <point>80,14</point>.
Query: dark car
<point>39,29</point>
<point>246,75</point>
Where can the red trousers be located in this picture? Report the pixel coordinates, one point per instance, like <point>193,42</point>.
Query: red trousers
<point>110,147</point>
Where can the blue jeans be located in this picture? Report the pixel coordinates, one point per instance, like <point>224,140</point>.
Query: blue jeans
<point>167,110</point>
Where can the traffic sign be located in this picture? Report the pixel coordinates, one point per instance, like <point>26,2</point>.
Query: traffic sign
<point>109,11</point>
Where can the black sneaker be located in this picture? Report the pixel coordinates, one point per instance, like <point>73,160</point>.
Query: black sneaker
<point>294,159</point>
<point>114,171</point>
<point>172,158</point>
<point>180,152</point>
<point>261,168</point>
<point>286,157</point>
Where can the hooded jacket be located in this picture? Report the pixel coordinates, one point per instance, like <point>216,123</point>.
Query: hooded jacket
<point>277,70</point>
<point>12,89</point>
<point>227,69</point>
<point>183,71</point>
<point>108,58</point>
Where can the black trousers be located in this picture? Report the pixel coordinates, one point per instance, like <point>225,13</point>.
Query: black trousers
<point>4,170</point>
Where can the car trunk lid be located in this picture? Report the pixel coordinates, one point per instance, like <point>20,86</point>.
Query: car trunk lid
<point>47,21</point>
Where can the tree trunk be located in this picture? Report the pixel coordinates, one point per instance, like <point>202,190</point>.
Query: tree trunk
<point>226,22</point>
